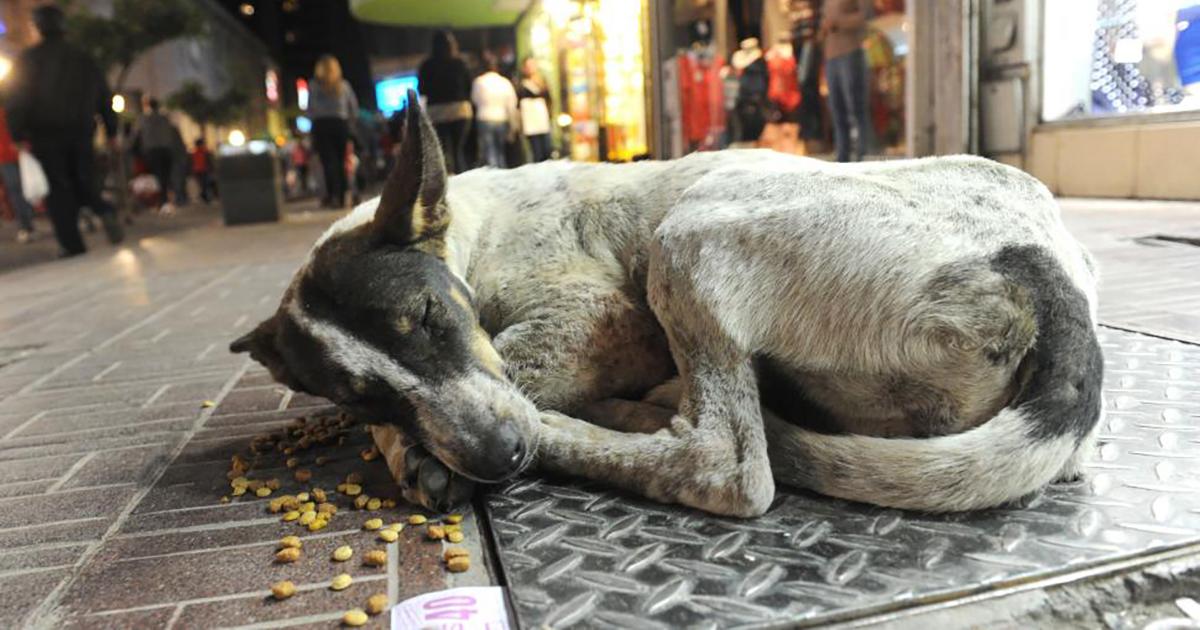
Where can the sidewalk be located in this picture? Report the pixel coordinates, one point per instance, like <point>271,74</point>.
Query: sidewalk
<point>120,410</point>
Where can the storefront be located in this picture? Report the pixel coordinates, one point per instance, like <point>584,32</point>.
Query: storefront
<point>751,73</point>
<point>593,55</point>
<point>1119,111</point>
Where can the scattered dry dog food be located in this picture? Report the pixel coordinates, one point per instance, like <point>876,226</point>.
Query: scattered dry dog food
<point>303,475</point>
<point>389,503</point>
<point>377,603</point>
<point>291,515</point>
<point>373,524</point>
<point>292,462</point>
<point>327,508</point>
<point>308,517</point>
<point>283,590</point>
<point>459,564</point>
<point>454,537</point>
<point>435,532</point>
<point>374,504</point>
<point>290,541</point>
<point>361,501</point>
<point>396,527</point>
<point>318,495</point>
<point>343,553</point>
<point>273,483</point>
<point>317,525</point>
<point>238,491</point>
<point>375,558</point>
<point>455,552</point>
<point>263,491</point>
<point>388,535</point>
<point>416,519</point>
<point>454,519</point>
<point>354,478</point>
<point>287,554</point>
<point>353,489</point>
<point>302,497</point>
<point>369,454</point>
<point>341,582</point>
<point>354,617</point>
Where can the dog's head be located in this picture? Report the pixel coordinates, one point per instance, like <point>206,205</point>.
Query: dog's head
<point>377,322</point>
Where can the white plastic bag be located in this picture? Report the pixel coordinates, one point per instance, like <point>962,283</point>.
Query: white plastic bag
<point>34,184</point>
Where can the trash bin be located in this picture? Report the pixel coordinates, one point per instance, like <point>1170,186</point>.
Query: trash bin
<point>249,185</point>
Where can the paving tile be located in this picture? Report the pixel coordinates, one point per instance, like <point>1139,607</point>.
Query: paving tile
<point>48,531</point>
<point>22,594</point>
<point>74,504</point>
<point>65,447</point>
<point>134,465</point>
<point>36,468</point>
<point>17,559</point>
<point>109,584</point>
<point>26,487</point>
<point>313,599</point>
<point>250,400</point>
<point>155,618</point>
<point>66,421</point>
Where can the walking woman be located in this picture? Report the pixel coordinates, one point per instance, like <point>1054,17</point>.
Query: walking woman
<point>332,105</point>
<point>535,110</point>
<point>445,82</point>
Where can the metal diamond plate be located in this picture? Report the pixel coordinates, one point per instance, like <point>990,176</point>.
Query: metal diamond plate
<point>582,556</point>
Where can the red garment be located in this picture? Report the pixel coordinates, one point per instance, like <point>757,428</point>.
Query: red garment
<point>701,98</point>
<point>8,149</point>
<point>783,88</point>
<point>201,161</point>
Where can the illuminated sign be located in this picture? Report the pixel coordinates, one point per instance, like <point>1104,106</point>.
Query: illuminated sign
<point>302,94</point>
<point>391,94</point>
<point>272,82</point>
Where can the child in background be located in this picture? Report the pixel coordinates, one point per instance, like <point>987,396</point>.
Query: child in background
<point>202,164</point>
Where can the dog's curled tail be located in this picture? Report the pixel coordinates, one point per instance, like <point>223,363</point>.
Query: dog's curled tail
<point>1032,442</point>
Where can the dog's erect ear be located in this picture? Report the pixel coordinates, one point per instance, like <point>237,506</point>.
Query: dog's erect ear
<point>260,343</point>
<point>411,208</point>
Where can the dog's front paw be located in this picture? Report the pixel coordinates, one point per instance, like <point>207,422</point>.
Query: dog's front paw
<point>423,479</point>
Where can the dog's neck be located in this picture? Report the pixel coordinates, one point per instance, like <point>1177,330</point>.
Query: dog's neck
<point>462,235</point>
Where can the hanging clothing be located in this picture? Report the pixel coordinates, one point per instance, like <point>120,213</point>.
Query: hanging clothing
<point>783,89</point>
<point>701,98</point>
<point>533,99</point>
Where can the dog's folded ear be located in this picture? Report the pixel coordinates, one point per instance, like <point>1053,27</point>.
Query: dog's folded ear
<point>260,343</point>
<point>411,208</point>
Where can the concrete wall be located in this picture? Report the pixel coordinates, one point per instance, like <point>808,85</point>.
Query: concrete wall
<point>1153,161</point>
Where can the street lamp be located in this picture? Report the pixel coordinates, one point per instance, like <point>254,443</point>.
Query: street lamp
<point>118,103</point>
<point>247,9</point>
<point>5,67</point>
<point>237,138</point>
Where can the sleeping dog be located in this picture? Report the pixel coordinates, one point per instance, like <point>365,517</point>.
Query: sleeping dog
<point>917,334</point>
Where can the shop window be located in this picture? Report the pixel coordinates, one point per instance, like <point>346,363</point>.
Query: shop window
<point>1120,57</point>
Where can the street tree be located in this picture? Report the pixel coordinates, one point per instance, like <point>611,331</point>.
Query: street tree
<point>134,27</point>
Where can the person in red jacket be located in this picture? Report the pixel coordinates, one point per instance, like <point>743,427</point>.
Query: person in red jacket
<point>202,164</point>
<point>11,173</point>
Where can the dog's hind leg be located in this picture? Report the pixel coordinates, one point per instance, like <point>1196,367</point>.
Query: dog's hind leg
<point>715,456</point>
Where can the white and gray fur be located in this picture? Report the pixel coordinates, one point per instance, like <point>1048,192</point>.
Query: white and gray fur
<point>916,334</point>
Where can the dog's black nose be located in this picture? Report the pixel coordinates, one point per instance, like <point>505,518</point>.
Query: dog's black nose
<point>505,452</point>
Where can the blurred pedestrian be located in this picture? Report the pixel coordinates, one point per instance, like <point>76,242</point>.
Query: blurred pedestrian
<point>202,165</point>
<point>495,107</point>
<point>534,99</point>
<point>843,28</point>
<point>154,139</point>
<point>445,82</point>
<point>56,92</point>
<point>11,173</point>
<point>332,106</point>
